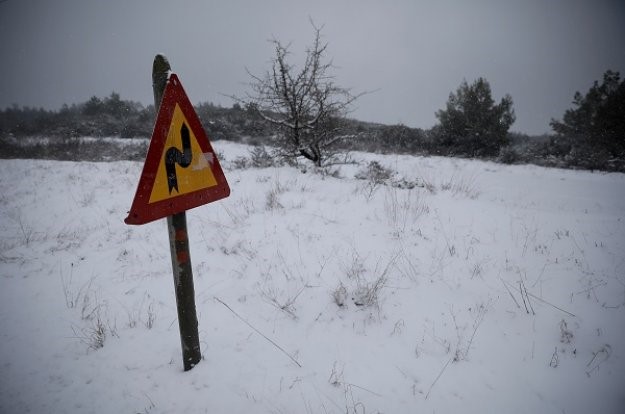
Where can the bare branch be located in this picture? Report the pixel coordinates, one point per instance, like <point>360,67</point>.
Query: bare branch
<point>303,104</point>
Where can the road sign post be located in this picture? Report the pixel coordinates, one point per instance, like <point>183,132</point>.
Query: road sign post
<point>181,172</point>
<point>185,293</point>
<point>179,248</point>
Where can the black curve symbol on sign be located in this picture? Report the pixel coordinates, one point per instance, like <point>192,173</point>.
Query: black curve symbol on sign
<point>173,156</point>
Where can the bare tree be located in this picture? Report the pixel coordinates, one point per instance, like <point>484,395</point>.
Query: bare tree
<point>306,106</point>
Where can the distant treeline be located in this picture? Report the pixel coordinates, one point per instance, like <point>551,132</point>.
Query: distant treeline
<point>114,117</point>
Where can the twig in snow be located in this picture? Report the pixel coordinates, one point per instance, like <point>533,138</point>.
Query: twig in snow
<point>524,289</point>
<point>523,297</point>
<point>605,351</point>
<point>437,378</point>
<point>540,275</point>
<point>363,388</point>
<point>547,303</point>
<point>528,300</point>
<point>476,324</point>
<point>510,293</point>
<point>258,332</point>
<point>550,304</point>
<point>554,358</point>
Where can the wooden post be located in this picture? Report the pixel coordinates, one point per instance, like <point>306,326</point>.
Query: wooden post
<point>179,245</point>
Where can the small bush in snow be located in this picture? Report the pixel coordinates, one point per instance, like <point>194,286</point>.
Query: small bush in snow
<point>94,335</point>
<point>464,185</point>
<point>566,336</point>
<point>375,173</point>
<point>406,184</point>
<point>509,155</point>
<point>375,176</point>
<point>368,294</point>
<point>260,158</point>
<point>272,201</point>
<point>364,290</point>
<point>340,295</point>
<point>324,171</point>
<point>241,163</point>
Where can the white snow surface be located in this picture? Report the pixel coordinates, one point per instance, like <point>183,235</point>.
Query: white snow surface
<point>493,289</point>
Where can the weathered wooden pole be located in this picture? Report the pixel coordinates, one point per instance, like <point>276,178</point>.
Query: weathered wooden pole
<point>179,245</point>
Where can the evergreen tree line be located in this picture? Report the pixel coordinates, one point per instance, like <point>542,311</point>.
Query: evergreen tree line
<point>114,117</point>
<point>591,134</point>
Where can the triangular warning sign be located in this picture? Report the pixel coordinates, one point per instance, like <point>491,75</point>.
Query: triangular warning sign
<point>181,170</point>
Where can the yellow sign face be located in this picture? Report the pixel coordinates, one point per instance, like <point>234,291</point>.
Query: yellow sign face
<point>183,167</point>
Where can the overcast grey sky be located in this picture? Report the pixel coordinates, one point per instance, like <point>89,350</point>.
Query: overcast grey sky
<point>412,54</point>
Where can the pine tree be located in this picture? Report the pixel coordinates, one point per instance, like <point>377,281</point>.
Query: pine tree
<point>472,124</point>
<point>597,123</point>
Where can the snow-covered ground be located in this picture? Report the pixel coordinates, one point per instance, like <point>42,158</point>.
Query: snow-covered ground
<point>488,288</point>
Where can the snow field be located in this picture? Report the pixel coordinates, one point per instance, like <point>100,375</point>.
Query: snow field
<point>487,288</point>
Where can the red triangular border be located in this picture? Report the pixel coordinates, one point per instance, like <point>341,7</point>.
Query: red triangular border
<point>142,211</point>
